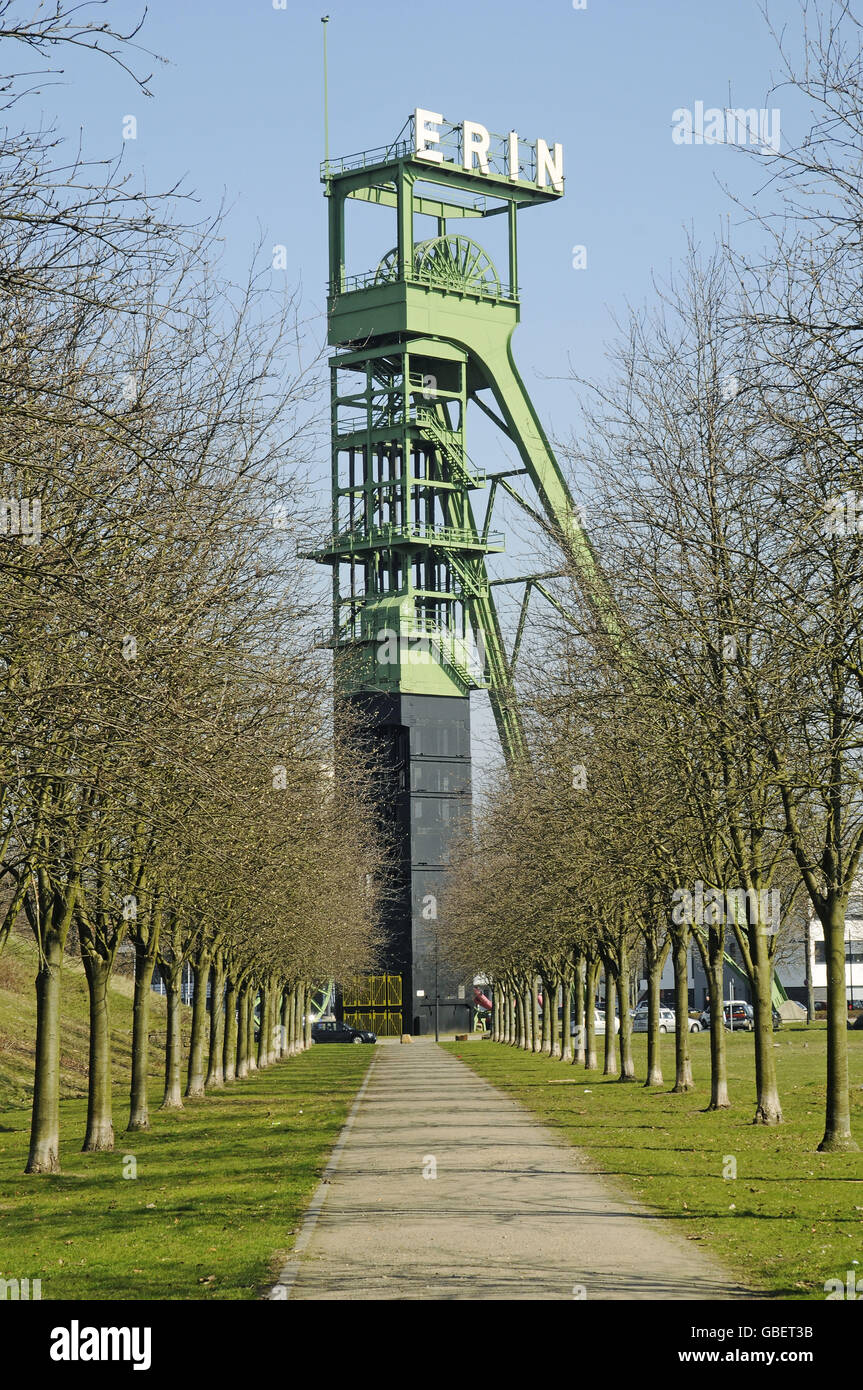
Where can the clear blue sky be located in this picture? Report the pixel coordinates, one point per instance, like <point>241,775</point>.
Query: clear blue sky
<point>238,111</point>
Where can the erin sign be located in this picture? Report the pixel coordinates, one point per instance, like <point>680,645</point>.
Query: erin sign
<point>479,152</point>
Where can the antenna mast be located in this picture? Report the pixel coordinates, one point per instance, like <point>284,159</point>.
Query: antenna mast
<point>325,19</point>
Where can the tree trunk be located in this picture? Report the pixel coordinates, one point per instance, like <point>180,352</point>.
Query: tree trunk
<point>654,1063</point>
<point>554,984</point>
<point>565,1049</point>
<point>229,1055</point>
<point>173,977</point>
<point>139,1112</point>
<point>275,1023</point>
<point>609,1065</point>
<point>277,1039</point>
<point>295,1017</point>
<point>590,975</point>
<point>216,1064</point>
<point>195,1080</point>
<point>810,987</point>
<point>549,1010</point>
<point>44,1156</point>
<point>251,1046</point>
<point>522,1033</point>
<point>272,1022</point>
<point>100,1126</point>
<point>535,1030</point>
<point>291,1020</point>
<point>768,1110</point>
<point>837,1130</point>
<point>298,1019</point>
<point>288,1020</point>
<point>578,1049</point>
<point>627,1065</point>
<point>264,1027</point>
<point>307,1017</point>
<point>682,1065</point>
<point>713,960</point>
<point>243,1033</point>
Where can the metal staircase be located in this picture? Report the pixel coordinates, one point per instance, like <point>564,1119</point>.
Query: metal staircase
<point>449,444</point>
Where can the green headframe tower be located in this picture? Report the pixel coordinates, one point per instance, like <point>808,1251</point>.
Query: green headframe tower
<point>421,334</point>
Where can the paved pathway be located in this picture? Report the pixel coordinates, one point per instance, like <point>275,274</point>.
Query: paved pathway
<point>512,1213</point>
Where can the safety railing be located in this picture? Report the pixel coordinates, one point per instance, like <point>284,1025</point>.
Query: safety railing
<point>366,159</point>
<point>447,537</point>
<point>370,279</point>
<point>419,633</point>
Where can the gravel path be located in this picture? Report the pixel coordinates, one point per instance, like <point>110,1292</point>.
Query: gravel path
<point>511,1213</point>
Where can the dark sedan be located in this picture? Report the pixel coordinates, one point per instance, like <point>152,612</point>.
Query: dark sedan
<point>333,1032</point>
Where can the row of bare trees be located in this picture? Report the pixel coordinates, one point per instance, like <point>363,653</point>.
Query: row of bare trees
<point>714,706</point>
<point>167,751</point>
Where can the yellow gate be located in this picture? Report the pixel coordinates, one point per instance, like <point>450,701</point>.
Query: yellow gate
<point>375,1002</point>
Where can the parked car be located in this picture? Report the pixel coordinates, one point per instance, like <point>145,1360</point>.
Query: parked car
<point>598,1023</point>
<point>856,1023</point>
<point>329,1031</point>
<point>738,1016</point>
<point>666,1019</point>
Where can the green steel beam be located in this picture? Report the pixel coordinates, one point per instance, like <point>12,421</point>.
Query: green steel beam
<point>427,207</point>
<point>477,400</point>
<point>390,171</point>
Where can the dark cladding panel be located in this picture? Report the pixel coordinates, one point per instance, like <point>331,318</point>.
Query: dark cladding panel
<point>429,971</point>
<point>441,740</point>
<point>434,776</point>
<point>439,730</point>
<point>424,742</point>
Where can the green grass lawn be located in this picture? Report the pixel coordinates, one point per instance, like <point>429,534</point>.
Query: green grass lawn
<point>219,1191</point>
<point>789,1220</point>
